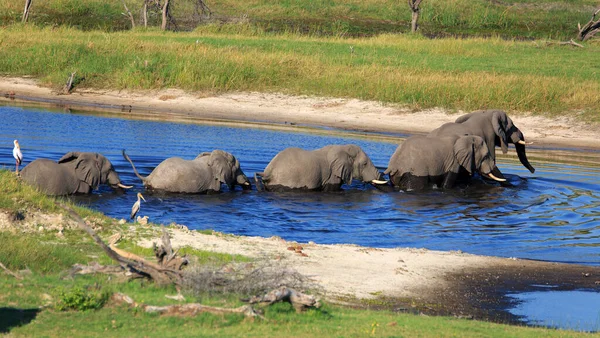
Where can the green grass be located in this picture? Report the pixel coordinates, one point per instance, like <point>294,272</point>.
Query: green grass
<point>37,305</point>
<point>465,74</point>
<point>509,18</point>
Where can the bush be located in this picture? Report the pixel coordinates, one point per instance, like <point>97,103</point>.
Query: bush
<point>79,299</point>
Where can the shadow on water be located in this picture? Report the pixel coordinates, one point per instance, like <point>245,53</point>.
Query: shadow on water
<point>13,317</point>
<point>552,215</point>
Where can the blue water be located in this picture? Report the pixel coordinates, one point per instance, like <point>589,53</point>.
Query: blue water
<point>551,215</point>
<point>559,309</point>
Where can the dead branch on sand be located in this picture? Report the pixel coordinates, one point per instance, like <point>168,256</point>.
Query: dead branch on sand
<point>137,266</point>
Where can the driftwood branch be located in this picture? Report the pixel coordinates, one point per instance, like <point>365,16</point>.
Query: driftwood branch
<point>129,15</point>
<point>565,43</point>
<point>69,85</point>
<point>299,300</point>
<point>191,309</point>
<point>10,272</point>
<point>590,28</point>
<point>128,261</point>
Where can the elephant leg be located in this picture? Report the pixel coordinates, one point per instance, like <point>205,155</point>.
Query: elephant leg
<point>410,182</point>
<point>449,180</point>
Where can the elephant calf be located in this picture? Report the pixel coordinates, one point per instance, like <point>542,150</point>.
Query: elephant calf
<point>322,169</point>
<point>204,174</point>
<point>74,173</point>
<point>421,161</point>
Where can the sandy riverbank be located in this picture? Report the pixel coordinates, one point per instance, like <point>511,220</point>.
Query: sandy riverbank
<point>456,282</point>
<point>351,114</point>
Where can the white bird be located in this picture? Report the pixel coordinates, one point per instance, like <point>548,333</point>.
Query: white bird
<point>136,205</point>
<point>17,155</point>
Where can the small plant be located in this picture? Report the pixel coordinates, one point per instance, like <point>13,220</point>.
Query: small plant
<point>79,299</point>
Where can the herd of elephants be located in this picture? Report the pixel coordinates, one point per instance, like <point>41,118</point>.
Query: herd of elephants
<point>452,153</point>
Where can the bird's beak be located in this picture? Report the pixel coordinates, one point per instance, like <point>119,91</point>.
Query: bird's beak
<point>143,197</point>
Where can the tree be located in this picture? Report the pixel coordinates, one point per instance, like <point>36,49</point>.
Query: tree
<point>26,10</point>
<point>414,7</point>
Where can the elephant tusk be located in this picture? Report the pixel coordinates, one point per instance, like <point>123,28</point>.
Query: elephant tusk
<point>496,178</point>
<point>124,186</point>
<point>246,183</point>
<point>379,182</point>
<point>524,143</point>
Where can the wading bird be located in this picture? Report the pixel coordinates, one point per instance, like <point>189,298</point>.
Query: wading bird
<point>17,155</point>
<point>136,205</point>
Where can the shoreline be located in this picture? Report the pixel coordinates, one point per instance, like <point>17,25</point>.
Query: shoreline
<point>456,283</point>
<point>285,112</point>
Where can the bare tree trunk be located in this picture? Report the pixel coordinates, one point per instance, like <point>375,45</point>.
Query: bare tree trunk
<point>590,28</point>
<point>414,7</point>
<point>26,10</point>
<point>145,14</point>
<point>415,19</point>
<point>129,14</point>
<point>165,15</point>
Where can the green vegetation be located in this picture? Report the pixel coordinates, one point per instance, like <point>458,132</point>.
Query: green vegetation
<point>48,301</point>
<point>555,19</point>
<point>462,74</point>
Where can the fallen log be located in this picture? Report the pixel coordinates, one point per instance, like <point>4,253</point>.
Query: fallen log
<point>10,272</point>
<point>191,309</point>
<point>299,300</point>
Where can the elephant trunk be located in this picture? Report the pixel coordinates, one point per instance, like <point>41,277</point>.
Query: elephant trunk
<point>134,169</point>
<point>115,182</point>
<point>243,181</point>
<point>520,147</point>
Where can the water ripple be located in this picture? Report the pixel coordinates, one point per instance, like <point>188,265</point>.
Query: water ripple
<point>553,214</point>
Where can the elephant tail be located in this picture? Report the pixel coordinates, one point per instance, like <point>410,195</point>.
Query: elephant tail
<point>258,178</point>
<point>133,166</point>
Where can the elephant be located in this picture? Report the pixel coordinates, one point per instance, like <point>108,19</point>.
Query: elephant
<point>495,127</point>
<point>423,161</point>
<point>324,169</point>
<point>204,174</point>
<point>74,173</point>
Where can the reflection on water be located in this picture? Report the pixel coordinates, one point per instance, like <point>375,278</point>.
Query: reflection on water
<point>573,310</point>
<point>553,214</point>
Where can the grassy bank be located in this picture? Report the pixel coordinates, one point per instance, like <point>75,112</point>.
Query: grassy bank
<point>508,18</point>
<point>464,74</point>
<point>34,305</point>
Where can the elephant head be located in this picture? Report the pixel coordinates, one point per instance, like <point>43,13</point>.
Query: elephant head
<point>92,169</point>
<point>350,162</point>
<point>226,168</point>
<point>472,153</point>
<point>505,132</point>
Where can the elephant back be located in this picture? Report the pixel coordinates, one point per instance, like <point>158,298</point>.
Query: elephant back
<point>49,177</point>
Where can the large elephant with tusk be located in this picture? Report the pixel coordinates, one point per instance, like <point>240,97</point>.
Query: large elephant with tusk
<point>324,169</point>
<point>495,127</point>
<point>74,173</point>
<point>204,174</point>
<point>421,162</point>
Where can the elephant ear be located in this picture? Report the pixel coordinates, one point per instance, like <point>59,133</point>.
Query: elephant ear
<point>221,163</point>
<point>206,153</point>
<point>464,152</point>
<point>341,165</point>
<point>68,157</point>
<point>500,124</point>
<point>87,169</point>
